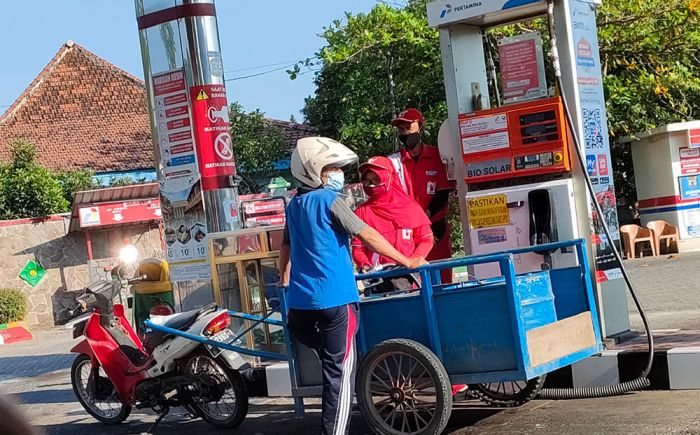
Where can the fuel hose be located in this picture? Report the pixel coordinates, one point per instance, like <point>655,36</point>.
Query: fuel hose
<point>642,381</point>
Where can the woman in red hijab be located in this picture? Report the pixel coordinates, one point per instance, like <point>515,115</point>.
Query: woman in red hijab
<point>396,216</point>
<point>393,213</point>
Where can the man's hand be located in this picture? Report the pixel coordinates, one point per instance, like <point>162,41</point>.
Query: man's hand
<point>415,262</point>
<point>366,268</point>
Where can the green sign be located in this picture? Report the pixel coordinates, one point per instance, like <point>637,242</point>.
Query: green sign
<point>32,273</point>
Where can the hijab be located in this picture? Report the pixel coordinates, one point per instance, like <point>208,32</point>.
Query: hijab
<point>388,206</point>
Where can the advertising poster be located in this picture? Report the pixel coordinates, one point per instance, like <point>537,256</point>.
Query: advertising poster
<point>690,160</point>
<point>185,243</point>
<point>596,137</point>
<point>521,64</point>
<point>184,221</point>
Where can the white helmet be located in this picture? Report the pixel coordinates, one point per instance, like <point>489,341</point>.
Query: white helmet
<point>312,154</point>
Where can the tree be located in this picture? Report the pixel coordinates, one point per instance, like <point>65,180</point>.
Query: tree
<point>74,181</point>
<point>651,68</point>
<point>257,145</point>
<point>376,63</point>
<point>27,189</point>
<point>373,66</point>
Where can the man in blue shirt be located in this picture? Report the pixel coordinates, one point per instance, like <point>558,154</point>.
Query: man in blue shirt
<point>322,296</point>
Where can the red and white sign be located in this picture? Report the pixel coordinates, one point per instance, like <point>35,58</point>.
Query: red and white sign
<point>603,168</point>
<point>173,123</point>
<point>212,135</point>
<point>521,73</point>
<point>690,161</point>
<point>114,213</point>
<point>694,138</point>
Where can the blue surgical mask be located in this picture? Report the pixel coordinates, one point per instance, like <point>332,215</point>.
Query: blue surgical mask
<point>336,181</point>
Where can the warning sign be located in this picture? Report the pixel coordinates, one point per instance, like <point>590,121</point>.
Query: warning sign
<point>173,124</point>
<point>212,135</point>
<point>488,211</point>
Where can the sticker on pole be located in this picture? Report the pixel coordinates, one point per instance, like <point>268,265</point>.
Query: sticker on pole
<point>488,211</point>
<point>212,135</point>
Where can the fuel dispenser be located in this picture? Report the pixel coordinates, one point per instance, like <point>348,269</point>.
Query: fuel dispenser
<point>521,193</point>
<point>518,181</point>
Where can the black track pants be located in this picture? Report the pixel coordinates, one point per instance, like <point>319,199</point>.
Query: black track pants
<point>331,332</point>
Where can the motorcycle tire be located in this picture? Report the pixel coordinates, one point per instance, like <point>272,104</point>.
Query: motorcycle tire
<point>237,390</point>
<point>80,391</point>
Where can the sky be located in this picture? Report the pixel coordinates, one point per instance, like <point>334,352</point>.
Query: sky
<point>256,37</point>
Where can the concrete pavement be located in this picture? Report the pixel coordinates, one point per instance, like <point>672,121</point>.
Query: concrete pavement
<point>669,289</point>
<point>36,374</point>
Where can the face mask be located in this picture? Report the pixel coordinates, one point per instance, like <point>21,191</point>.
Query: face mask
<point>378,190</point>
<point>336,181</point>
<point>411,140</point>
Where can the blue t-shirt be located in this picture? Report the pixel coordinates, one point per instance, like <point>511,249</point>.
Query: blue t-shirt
<point>319,227</point>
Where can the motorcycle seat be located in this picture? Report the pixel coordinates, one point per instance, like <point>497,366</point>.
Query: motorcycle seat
<point>179,321</point>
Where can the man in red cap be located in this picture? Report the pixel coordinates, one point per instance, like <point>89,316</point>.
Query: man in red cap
<point>424,177</point>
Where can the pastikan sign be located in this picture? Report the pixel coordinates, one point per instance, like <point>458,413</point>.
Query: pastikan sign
<point>212,135</point>
<point>488,211</point>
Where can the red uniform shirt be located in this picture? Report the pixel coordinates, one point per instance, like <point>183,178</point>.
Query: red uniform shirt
<point>411,242</point>
<point>424,177</point>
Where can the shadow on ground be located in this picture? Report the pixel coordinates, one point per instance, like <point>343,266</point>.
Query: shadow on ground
<point>262,419</point>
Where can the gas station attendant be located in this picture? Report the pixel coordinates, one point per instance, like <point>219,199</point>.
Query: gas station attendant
<point>424,177</point>
<point>315,264</point>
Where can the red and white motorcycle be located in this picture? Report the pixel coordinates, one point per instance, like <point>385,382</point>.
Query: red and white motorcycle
<point>115,370</point>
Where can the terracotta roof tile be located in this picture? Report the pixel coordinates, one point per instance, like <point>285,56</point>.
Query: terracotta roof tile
<point>83,112</point>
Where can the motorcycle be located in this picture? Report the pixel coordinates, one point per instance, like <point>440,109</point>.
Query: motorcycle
<point>116,370</point>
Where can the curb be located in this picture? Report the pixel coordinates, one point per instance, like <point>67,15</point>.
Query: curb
<point>677,368</point>
<point>14,332</point>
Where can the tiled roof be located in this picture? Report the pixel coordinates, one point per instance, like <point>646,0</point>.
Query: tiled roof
<point>83,112</point>
<point>292,130</point>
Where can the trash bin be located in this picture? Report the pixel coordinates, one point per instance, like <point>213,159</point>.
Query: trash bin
<point>156,289</point>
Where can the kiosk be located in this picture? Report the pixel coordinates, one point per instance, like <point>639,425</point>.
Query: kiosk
<point>667,176</point>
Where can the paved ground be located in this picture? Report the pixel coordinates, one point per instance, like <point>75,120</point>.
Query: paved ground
<point>36,374</point>
<point>669,289</point>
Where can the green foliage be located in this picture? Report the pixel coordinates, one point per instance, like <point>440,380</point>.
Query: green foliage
<point>125,180</point>
<point>373,66</point>
<point>378,63</point>
<point>257,145</point>
<point>13,305</point>
<point>27,189</point>
<point>75,181</point>
<point>651,68</point>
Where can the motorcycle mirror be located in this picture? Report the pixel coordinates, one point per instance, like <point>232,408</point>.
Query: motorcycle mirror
<point>129,254</point>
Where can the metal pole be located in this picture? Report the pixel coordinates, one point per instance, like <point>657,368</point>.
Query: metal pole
<point>188,110</point>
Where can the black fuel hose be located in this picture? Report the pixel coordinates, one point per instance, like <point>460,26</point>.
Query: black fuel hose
<point>642,381</point>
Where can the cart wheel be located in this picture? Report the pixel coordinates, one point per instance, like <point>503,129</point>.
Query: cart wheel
<point>508,394</point>
<point>403,388</point>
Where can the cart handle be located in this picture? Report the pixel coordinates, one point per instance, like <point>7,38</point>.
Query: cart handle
<point>471,260</point>
<point>225,346</point>
<point>258,319</point>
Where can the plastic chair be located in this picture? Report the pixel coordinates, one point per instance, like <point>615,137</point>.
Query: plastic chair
<point>662,230</point>
<point>633,234</point>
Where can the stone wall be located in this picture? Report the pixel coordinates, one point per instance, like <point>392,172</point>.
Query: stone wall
<point>65,258</point>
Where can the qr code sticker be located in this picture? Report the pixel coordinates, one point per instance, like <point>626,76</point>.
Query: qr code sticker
<point>593,128</point>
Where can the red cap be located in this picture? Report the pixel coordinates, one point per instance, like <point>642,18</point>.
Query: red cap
<point>409,115</point>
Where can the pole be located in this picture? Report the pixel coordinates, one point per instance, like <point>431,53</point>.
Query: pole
<point>193,150</point>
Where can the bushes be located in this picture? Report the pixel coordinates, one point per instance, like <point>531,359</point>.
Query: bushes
<point>13,305</point>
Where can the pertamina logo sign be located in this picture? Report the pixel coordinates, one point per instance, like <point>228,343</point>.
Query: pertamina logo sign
<point>463,7</point>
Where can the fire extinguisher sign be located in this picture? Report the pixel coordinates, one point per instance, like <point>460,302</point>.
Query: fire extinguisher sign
<point>212,135</point>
